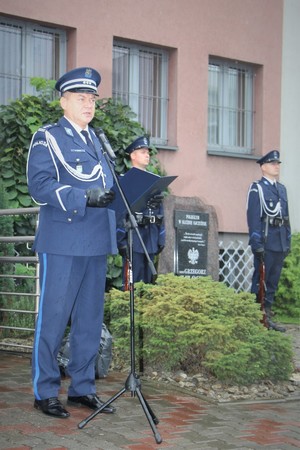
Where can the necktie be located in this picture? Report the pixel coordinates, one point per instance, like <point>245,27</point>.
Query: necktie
<point>88,140</point>
<point>91,146</point>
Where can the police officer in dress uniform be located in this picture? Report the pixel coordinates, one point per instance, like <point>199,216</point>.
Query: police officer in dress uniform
<point>70,180</point>
<point>269,228</point>
<point>150,221</point>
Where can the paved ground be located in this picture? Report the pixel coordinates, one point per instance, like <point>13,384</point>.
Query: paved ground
<point>185,421</point>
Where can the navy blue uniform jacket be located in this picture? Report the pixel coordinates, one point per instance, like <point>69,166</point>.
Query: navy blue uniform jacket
<point>278,238</point>
<point>66,226</point>
<point>153,235</point>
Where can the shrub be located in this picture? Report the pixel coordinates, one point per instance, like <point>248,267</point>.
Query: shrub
<point>262,356</point>
<point>288,293</point>
<point>199,324</point>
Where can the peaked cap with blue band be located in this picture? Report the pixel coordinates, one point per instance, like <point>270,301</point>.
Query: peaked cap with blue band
<point>273,155</point>
<point>140,142</point>
<point>83,79</point>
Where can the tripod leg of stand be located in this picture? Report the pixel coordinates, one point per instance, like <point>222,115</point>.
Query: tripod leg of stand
<point>133,383</point>
<point>155,419</point>
<point>95,413</point>
<point>149,416</point>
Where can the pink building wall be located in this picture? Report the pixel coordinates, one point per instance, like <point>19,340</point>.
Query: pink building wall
<point>242,30</point>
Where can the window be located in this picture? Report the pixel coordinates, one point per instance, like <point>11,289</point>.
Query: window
<point>230,107</point>
<point>140,80</point>
<point>28,50</point>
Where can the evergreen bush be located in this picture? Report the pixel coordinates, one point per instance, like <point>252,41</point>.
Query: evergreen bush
<point>199,324</point>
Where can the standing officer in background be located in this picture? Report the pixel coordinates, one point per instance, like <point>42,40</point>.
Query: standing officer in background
<point>269,229</point>
<point>69,178</point>
<point>150,221</point>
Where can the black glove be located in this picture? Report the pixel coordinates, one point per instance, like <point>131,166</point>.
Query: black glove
<point>260,253</point>
<point>124,252</point>
<point>155,201</point>
<point>160,249</point>
<point>98,197</point>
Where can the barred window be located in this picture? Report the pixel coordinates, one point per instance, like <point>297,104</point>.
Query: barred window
<point>28,50</point>
<point>230,107</point>
<point>140,80</point>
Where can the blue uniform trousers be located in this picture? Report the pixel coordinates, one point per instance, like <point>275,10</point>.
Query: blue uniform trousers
<point>71,288</point>
<point>273,266</point>
<point>140,267</point>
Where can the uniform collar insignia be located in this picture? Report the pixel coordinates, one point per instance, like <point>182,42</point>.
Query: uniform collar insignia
<point>268,181</point>
<point>69,131</point>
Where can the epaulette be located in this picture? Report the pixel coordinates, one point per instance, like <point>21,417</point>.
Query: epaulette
<point>47,127</point>
<point>255,183</point>
<point>40,139</point>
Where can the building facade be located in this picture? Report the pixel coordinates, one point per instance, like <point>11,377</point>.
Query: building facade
<point>203,76</point>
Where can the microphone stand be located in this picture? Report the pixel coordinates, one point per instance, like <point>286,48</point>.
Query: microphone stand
<point>133,383</point>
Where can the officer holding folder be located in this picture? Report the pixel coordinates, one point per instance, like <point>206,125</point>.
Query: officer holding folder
<point>150,221</point>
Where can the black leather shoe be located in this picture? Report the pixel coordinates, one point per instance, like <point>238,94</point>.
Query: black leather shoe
<point>274,326</point>
<point>52,407</point>
<point>91,401</point>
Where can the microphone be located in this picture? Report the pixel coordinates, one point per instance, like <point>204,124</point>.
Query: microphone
<point>105,143</point>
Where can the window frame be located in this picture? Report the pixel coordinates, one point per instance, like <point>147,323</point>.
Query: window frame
<point>27,49</point>
<point>156,123</point>
<point>231,139</point>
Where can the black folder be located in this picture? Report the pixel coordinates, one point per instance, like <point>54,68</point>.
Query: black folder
<point>138,187</point>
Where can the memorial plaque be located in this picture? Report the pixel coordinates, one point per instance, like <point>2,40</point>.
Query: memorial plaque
<point>191,243</point>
